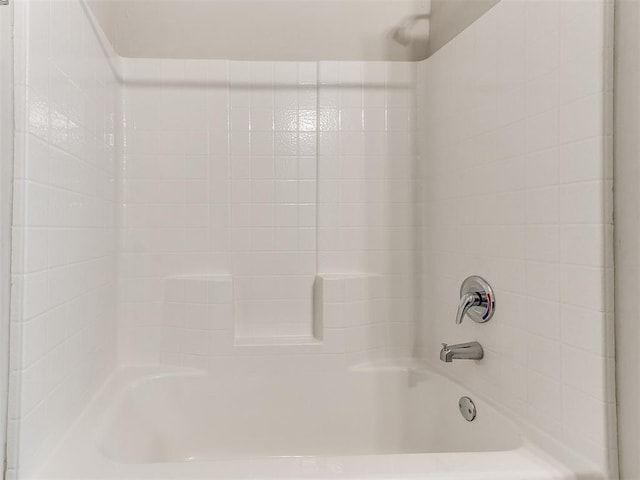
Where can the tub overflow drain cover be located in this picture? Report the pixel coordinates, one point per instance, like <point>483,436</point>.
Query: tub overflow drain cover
<point>467,408</point>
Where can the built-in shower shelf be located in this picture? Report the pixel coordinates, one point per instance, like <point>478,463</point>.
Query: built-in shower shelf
<point>277,341</point>
<point>200,317</point>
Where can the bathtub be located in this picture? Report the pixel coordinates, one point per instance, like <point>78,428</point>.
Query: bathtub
<point>377,421</point>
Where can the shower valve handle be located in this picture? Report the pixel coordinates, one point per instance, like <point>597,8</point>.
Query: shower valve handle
<point>476,300</point>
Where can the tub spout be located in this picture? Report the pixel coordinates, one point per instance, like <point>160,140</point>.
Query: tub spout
<point>461,351</point>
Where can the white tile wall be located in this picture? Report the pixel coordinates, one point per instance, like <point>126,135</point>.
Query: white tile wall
<point>516,159</point>
<point>64,235</point>
<point>197,319</point>
<point>367,164</point>
<point>368,187</point>
<point>175,190</point>
<point>224,163</point>
<point>198,327</point>
<point>358,310</point>
<point>273,152</point>
<point>266,209</point>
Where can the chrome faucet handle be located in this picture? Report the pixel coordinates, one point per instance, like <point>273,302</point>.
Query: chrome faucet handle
<point>476,300</point>
<point>467,300</point>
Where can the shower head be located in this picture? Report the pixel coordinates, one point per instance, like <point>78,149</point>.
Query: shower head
<point>403,32</point>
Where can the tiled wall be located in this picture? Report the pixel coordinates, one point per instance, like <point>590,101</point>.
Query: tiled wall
<point>516,117</point>
<point>197,318</point>
<point>368,184</point>
<point>198,327</point>
<point>174,217</point>
<point>64,236</point>
<point>272,173</point>
<point>270,209</point>
<point>273,153</point>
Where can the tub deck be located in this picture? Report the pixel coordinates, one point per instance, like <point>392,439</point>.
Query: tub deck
<point>399,422</point>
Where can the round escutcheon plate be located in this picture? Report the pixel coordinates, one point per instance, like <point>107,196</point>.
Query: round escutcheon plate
<point>467,409</point>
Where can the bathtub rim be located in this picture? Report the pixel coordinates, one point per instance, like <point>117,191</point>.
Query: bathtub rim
<point>537,446</point>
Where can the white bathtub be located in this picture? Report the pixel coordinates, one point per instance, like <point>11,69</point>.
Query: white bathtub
<point>391,422</point>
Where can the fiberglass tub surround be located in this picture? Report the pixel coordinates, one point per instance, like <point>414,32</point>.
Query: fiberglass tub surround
<point>287,171</point>
<point>290,238</point>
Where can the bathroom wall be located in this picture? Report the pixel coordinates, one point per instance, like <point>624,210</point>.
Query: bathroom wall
<point>627,259</point>
<point>255,181</point>
<point>295,190</point>
<point>64,235</point>
<point>102,11</point>
<point>368,198</point>
<point>6,193</point>
<point>516,117</point>
<point>258,30</point>
<point>448,18</point>
<point>273,185</point>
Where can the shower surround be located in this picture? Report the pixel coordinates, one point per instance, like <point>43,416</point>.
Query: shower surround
<point>517,154</point>
<point>63,300</point>
<point>264,176</point>
<point>244,218</point>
